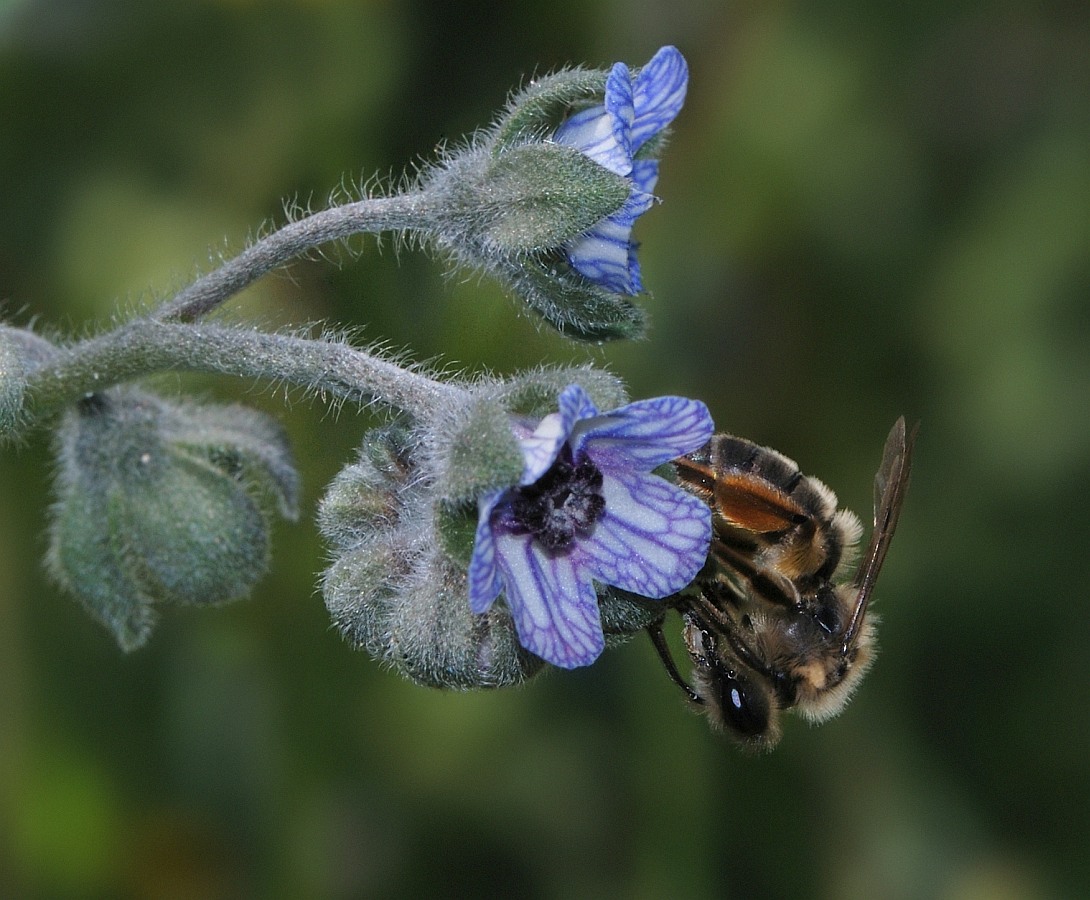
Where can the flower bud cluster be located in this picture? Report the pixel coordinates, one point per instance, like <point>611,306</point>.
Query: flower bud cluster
<point>400,522</point>
<point>501,493</point>
<point>163,503</point>
<point>392,591</point>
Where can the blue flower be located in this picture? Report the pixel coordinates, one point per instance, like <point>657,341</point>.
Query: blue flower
<point>635,110</point>
<point>586,509</point>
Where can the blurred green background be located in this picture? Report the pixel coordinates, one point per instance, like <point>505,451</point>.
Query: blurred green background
<point>869,209</point>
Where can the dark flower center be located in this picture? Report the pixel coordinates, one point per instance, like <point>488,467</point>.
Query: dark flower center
<point>563,504</point>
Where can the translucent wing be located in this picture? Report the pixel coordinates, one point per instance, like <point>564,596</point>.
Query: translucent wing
<point>890,485</point>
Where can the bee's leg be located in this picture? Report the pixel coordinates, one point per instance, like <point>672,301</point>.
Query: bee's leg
<point>771,588</point>
<point>714,623</point>
<point>658,641</point>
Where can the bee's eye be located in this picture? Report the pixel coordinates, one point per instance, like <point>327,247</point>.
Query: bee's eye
<point>746,705</point>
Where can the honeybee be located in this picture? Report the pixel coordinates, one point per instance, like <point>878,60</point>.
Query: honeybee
<point>773,623</point>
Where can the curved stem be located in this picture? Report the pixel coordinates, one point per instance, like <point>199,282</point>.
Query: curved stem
<point>398,213</point>
<point>145,347</point>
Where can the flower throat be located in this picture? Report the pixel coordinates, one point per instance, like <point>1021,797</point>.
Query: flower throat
<point>565,503</point>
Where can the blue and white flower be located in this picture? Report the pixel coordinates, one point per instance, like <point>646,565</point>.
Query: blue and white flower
<point>586,509</point>
<point>635,110</point>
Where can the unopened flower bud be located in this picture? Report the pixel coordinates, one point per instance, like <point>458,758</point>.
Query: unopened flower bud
<point>21,352</point>
<point>406,607</point>
<point>161,502</point>
<point>365,495</point>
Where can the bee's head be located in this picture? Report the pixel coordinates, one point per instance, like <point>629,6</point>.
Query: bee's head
<point>737,700</point>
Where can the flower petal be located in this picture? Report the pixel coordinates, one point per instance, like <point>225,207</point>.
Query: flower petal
<point>602,132</point>
<point>604,254</point>
<point>645,174</point>
<point>652,539</point>
<point>644,434</point>
<point>484,576</point>
<point>575,405</point>
<point>540,449</point>
<point>658,94</point>
<point>553,603</point>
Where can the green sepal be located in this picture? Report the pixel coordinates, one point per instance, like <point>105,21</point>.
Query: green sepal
<point>534,110</point>
<point>573,305</point>
<point>457,527</point>
<point>482,452</point>
<point>624,614</point>
<point>534,393</point>
<point>243,443</point>
<point>92,564</point>
<point>537,197</point>
<point>361,591</point>
<point>13,381</point>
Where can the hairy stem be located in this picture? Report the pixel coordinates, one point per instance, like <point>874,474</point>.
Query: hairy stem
<point>398,213</point>
<point>145,347</point>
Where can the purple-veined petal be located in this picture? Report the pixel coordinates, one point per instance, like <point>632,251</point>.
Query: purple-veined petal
<point>598,135</point>
<point>575,405</point>
<point>619,99</point>
<point>604,253</point>
<point>658,94</point>
<point>645,174</point>
<point>634,110</point>
<point>652,539</point>
<point>553,603</point>
<point>484,580</point>
<point>644,434</point>
<point>540,449</point>
<point>602,132</point>
<point>635,279</point>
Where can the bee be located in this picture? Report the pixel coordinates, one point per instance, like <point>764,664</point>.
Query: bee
<point>773,622</point>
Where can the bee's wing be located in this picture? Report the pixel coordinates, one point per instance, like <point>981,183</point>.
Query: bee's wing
<point>890,485</point>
